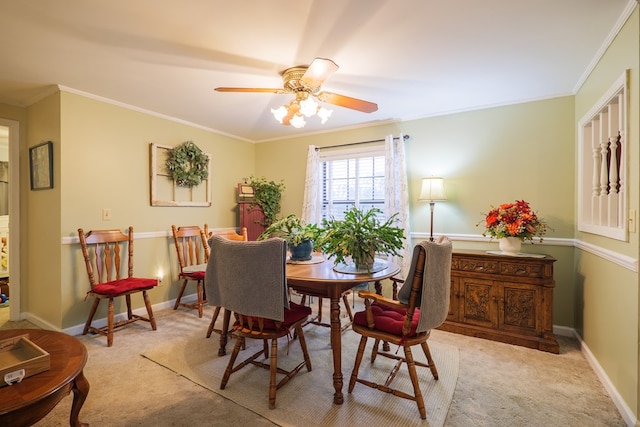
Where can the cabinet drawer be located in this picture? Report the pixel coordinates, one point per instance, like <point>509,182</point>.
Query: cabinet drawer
<point>522,269</point>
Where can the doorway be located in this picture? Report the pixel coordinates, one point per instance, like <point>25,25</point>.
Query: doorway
<point>9,220</point>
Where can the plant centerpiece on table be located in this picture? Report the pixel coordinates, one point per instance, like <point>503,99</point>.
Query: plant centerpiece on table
<point>299,235</point>
<point>360,236</point>
<point>513,223</point>
<point>268,196</point>
<point>187,164</point>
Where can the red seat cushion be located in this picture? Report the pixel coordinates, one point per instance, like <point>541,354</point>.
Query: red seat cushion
<point>295,313</point>
<point>120,286</point>
<point>388,319</point>
<point>194,275</point>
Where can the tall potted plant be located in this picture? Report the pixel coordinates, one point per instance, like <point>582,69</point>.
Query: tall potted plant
<point>267,195</point>
<point>299,235</point>
<point>360,236</point>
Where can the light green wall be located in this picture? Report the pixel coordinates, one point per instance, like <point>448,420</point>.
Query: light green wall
<point>42,265</point>
<point>487,157</point>
<point>104,162</point>
<point>607,295</point>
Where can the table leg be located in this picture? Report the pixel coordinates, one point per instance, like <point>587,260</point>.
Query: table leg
<point>224,332</point>
<point>336,347</point>
<point>80,391</point>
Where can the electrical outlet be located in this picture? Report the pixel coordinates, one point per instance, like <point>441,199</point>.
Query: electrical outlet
<point>106,214</point>
<point>632,220</point>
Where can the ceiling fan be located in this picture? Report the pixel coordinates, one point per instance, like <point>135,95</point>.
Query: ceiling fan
<point>304,83</point>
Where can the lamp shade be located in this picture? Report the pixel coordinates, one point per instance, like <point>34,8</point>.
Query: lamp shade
<point>432,189</point>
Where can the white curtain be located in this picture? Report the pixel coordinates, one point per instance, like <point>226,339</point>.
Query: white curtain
<point>397,195</point>
<point>311,200</point>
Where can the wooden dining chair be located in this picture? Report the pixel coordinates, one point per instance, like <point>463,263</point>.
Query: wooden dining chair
<point>423,304</point>
<point>193,253</point>
<point>258,297</point>
<point>106,253</point>
<point>230,235</point>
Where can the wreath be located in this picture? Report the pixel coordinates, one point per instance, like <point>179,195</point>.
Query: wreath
<point>188,165</point>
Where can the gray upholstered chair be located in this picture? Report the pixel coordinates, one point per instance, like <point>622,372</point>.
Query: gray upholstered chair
<point>259,298</point>
<point>231,235</point>
<point>423,304</point>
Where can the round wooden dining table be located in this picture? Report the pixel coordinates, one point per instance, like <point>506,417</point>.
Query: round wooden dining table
<point>322,280</point>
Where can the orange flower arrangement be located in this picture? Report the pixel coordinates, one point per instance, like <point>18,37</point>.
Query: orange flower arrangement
<point>514,220</point>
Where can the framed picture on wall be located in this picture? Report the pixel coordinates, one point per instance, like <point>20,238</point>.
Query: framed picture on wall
<point>41,166</point>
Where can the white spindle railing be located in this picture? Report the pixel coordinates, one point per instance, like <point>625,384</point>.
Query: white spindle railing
<point>602,192</point>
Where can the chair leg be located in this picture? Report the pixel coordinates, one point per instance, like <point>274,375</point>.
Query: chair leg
<point>273,369</point>
<point>303,345</point>
<point>232,360</point>
<point>432,365</point>
<point>319,319</point>
<point>182,288</point>
<point>110,322</point>
<point>348,307</point>
<point>356,365</point>
<point>265,348</point>
<point>216,313</point>
<point>147,304</point>
<point>374,350</point>
<point>92,313</point>
<point>411,365</point>
<point>200,291</point>
<point>129,310</point>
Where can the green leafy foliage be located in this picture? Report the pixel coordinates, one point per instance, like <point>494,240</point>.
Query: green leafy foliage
<point>267,195</point>
<point>293,229</point>
<point>360,235</point>
<point>188,165</point>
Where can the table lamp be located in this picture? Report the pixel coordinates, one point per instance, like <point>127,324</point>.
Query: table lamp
<point>432,191</point>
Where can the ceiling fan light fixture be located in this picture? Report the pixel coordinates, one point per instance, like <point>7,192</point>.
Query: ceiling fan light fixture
<point>324,114</point>
<point>297,121</point>
<point>280,113</point>
<point>308,107</point>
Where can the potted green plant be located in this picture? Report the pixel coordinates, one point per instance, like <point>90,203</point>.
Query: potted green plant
<point>267,195</point>
<point>360,236</point>
<point>299,235</point>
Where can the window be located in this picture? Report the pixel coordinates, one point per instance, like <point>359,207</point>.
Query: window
<point>351,178</point>
<point>602,159</point>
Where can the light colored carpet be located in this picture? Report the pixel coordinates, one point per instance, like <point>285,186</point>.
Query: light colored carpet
<point>499,385</point>
<point>307,400</point>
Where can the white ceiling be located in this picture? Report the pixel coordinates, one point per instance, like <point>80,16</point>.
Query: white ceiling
<point>414,58</point>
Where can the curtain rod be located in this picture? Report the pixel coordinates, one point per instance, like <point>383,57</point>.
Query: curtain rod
<point>404,137</point>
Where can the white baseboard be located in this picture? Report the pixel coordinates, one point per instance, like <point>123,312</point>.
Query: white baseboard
<point>623,408</point>
<point>142,311</point>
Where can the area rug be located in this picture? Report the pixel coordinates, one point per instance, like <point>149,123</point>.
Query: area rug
<point>307,399</point>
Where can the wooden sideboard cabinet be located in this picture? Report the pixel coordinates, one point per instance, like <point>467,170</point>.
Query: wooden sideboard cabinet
<point>503,298</point>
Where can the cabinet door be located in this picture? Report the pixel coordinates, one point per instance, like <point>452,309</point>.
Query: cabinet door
<point>454,300</point>
<point>252,218</point>
<point>519,308</point>
<point>478,302</point>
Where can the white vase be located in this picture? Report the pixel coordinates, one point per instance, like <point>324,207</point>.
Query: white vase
<point>510,245</point>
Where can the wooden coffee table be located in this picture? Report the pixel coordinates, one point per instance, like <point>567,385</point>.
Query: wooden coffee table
<point>28,401</point>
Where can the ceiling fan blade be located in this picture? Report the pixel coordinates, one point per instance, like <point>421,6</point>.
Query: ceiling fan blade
<point>347,102</point>
<point>319,71</point>
<point>250,89</point>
